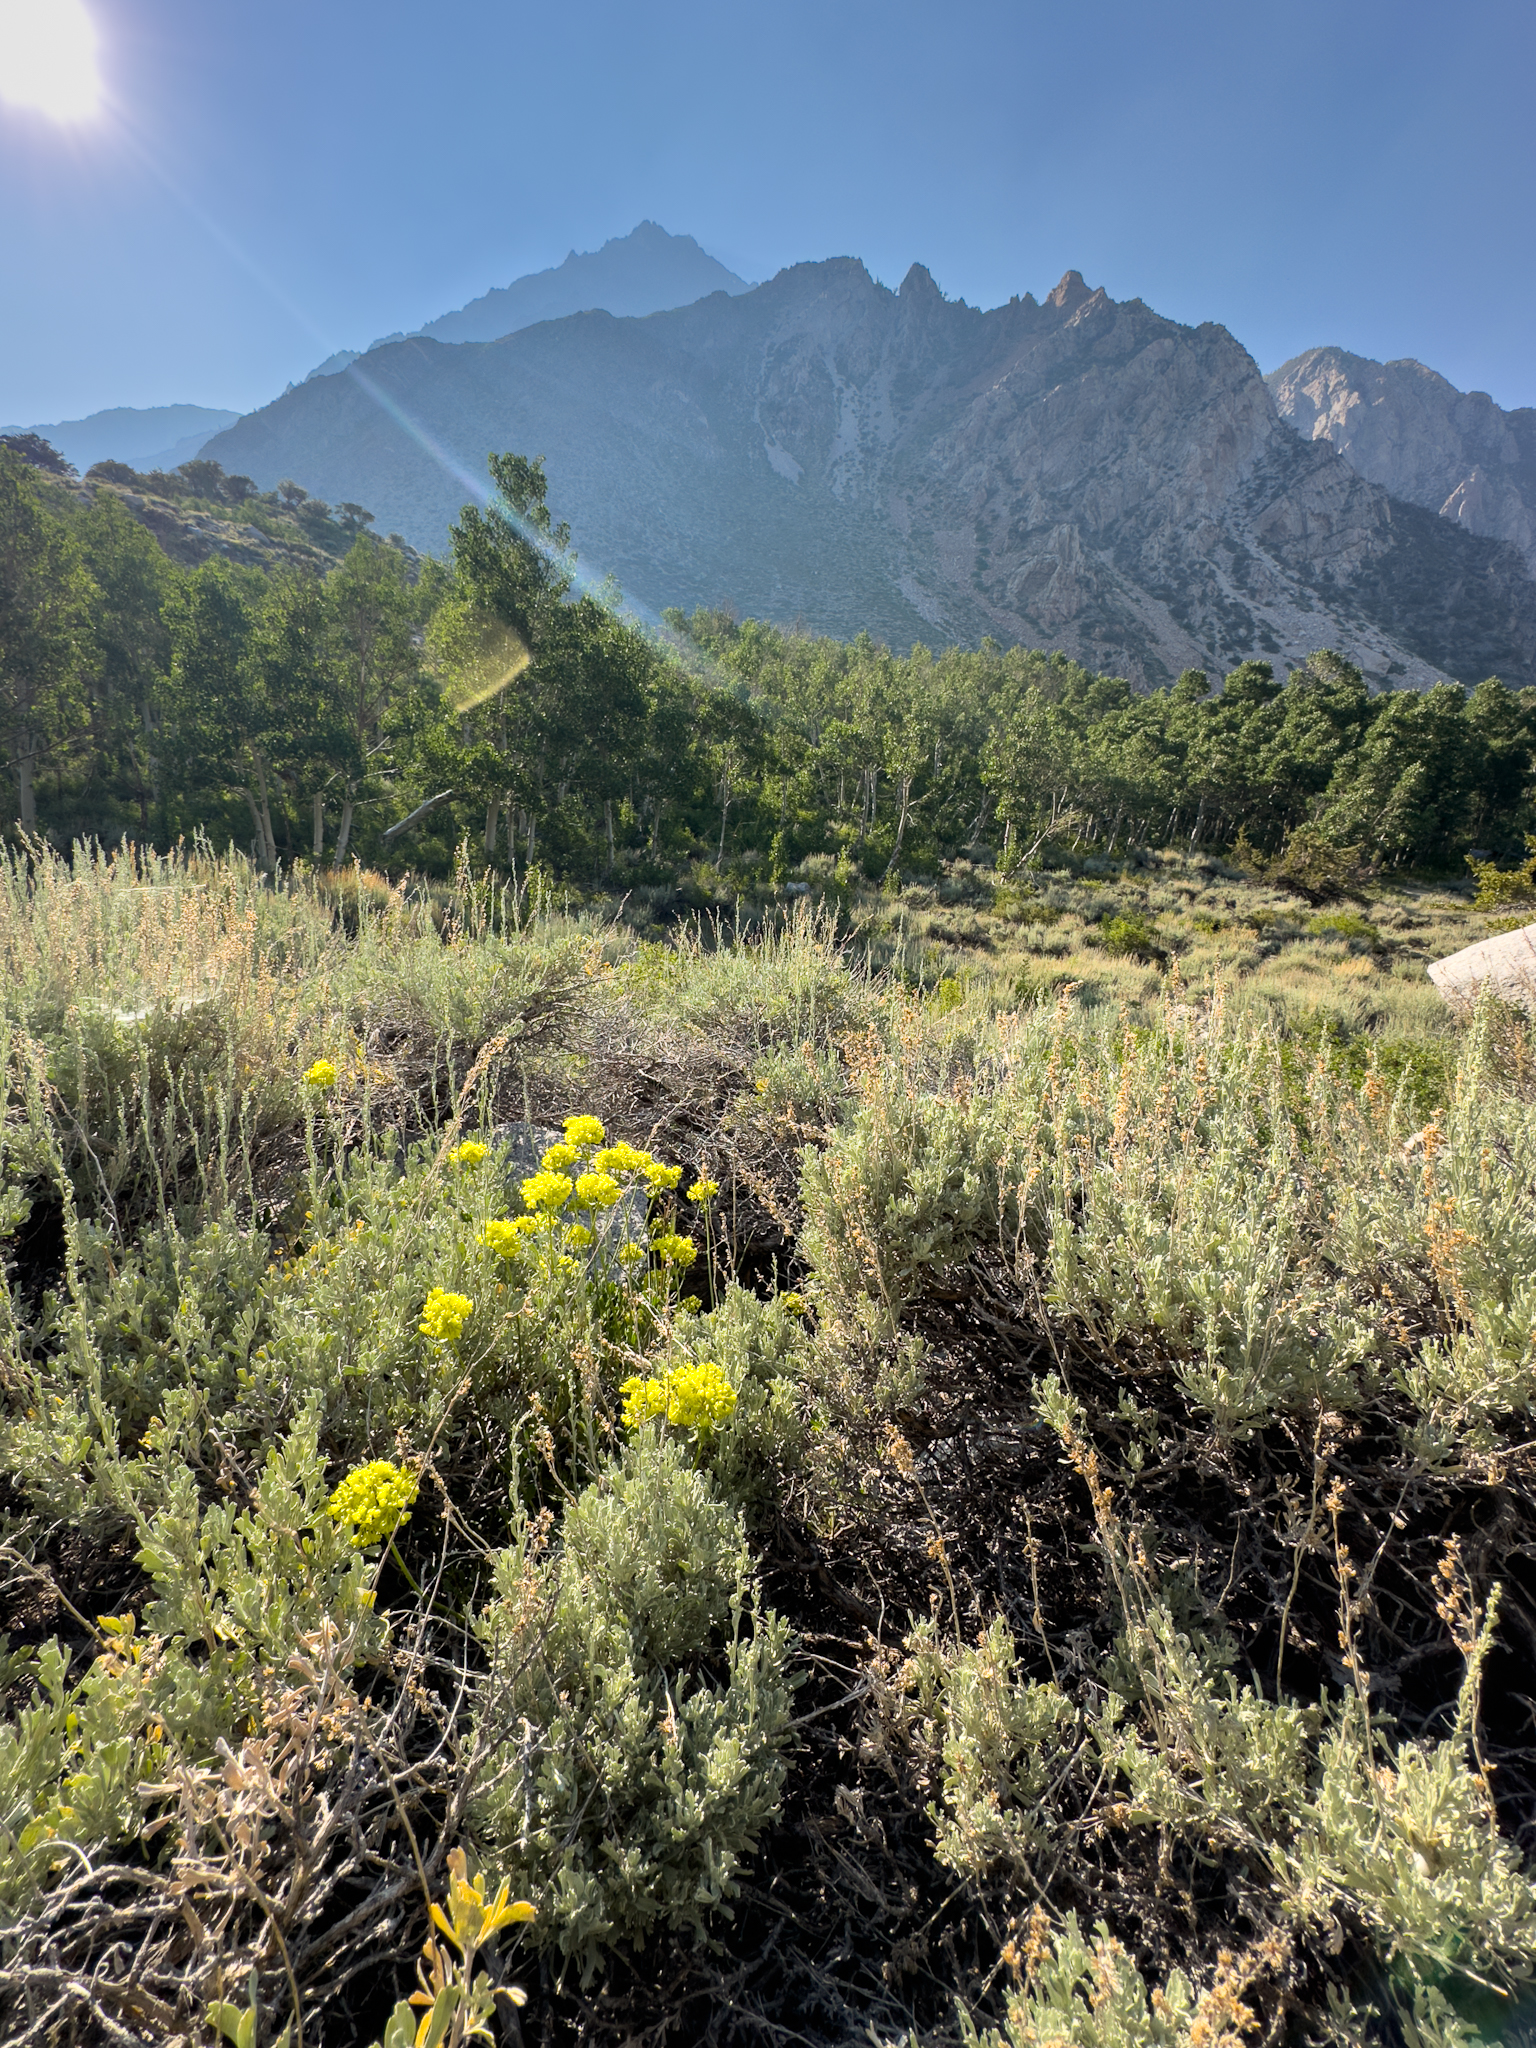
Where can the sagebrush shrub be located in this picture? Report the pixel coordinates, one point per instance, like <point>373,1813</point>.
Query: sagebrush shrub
<point>994,1740</point>
<point>635,1710</point>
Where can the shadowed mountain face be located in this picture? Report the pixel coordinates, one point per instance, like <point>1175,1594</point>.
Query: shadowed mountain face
<point>642,272</point>
<point>1077,474</point>
<point>1407,429</point>
<point>631,275</point>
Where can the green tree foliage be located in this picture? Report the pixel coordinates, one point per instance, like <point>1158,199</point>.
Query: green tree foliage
<point>540,718</point>
<point>46,600</point>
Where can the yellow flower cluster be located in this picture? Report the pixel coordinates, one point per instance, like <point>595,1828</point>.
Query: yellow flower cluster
<point>673,1249</point>
<point>374,1500</point>
<point>503,1234</point>
<point>547,1191</point>
<point>697,1397</point>
<point>470,1153</point>
<point>702,1190</point>
<point>443,1315</point>
<point>622,1158</point>
<point>575,1173</point>
<point>321,1075</point>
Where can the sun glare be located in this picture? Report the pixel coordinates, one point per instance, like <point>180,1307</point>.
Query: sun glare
<point>48,58</point>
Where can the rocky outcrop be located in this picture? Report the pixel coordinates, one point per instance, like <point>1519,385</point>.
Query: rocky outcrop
<point>191,535</point>
<point>1407,429</point>
<point>1075,473</point>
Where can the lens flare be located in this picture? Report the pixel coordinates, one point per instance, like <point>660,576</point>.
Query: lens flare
<point>48,58</point>
<point>478,660</point>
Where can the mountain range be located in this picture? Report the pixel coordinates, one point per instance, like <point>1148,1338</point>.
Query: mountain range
<point>1074,473</point>
<point>148,437</point>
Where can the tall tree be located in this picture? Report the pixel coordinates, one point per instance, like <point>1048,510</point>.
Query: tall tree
<point>132,576</point>
<point>45,642</point>
<point>372,621</point>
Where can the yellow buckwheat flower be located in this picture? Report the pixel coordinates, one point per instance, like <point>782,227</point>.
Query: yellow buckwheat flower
<point>321,1075</point>
<point>662,1177</point>
<point>583,1130</point>
<point>443,1315</point>
<point>470,1153</point>
<point>622,1158</point>
<point>374,1500</point>
<point>702,1190</point>
<point>503,1234</point>
<point>547,1191</point>
<point>597,1190</point>
<point>697,1397</point>
<point>673,1249</point>
<point>560,1158</point>
<point>579,1236</point>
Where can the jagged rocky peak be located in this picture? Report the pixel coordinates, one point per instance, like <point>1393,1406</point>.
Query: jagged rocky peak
<point>1409,429</point>
<point>918,284</point>
<point>1071,293</point>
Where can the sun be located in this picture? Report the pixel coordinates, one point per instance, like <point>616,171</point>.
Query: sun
<point>48,58</point>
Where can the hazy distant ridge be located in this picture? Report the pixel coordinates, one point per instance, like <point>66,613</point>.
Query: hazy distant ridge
<point>645,271</point>
<point>149,437</point>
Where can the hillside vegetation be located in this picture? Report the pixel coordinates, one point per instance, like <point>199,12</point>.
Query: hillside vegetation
<point>867,1502</point>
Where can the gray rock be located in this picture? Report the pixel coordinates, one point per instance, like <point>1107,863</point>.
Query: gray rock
<point>1507,963</point>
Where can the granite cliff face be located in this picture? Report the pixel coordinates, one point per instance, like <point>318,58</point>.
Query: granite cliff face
<point>1407,429</point>
<point>1076,473</point>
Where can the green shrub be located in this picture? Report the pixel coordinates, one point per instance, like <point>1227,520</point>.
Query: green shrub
<point>901,1196</point>
<point>1021,907</point>
<point>992,1744</point>
<point>1345,924</point>
<point>238,1593</point>
<point>761,1346</point>
<point>1132,935</point>
<point>1093,1996</point>
<point>635,1711</point>
<point>1505,888</point>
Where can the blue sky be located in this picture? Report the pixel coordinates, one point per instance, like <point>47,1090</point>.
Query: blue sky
<point>268,183</point>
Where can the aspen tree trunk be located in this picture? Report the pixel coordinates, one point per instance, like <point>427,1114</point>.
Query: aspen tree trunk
<point>262,811</point>
<point>26,793</point>
<point>319,840</point>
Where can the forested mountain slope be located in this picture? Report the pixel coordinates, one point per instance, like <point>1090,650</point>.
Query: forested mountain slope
<point>1079,474</point>
<point>1410,430</point>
